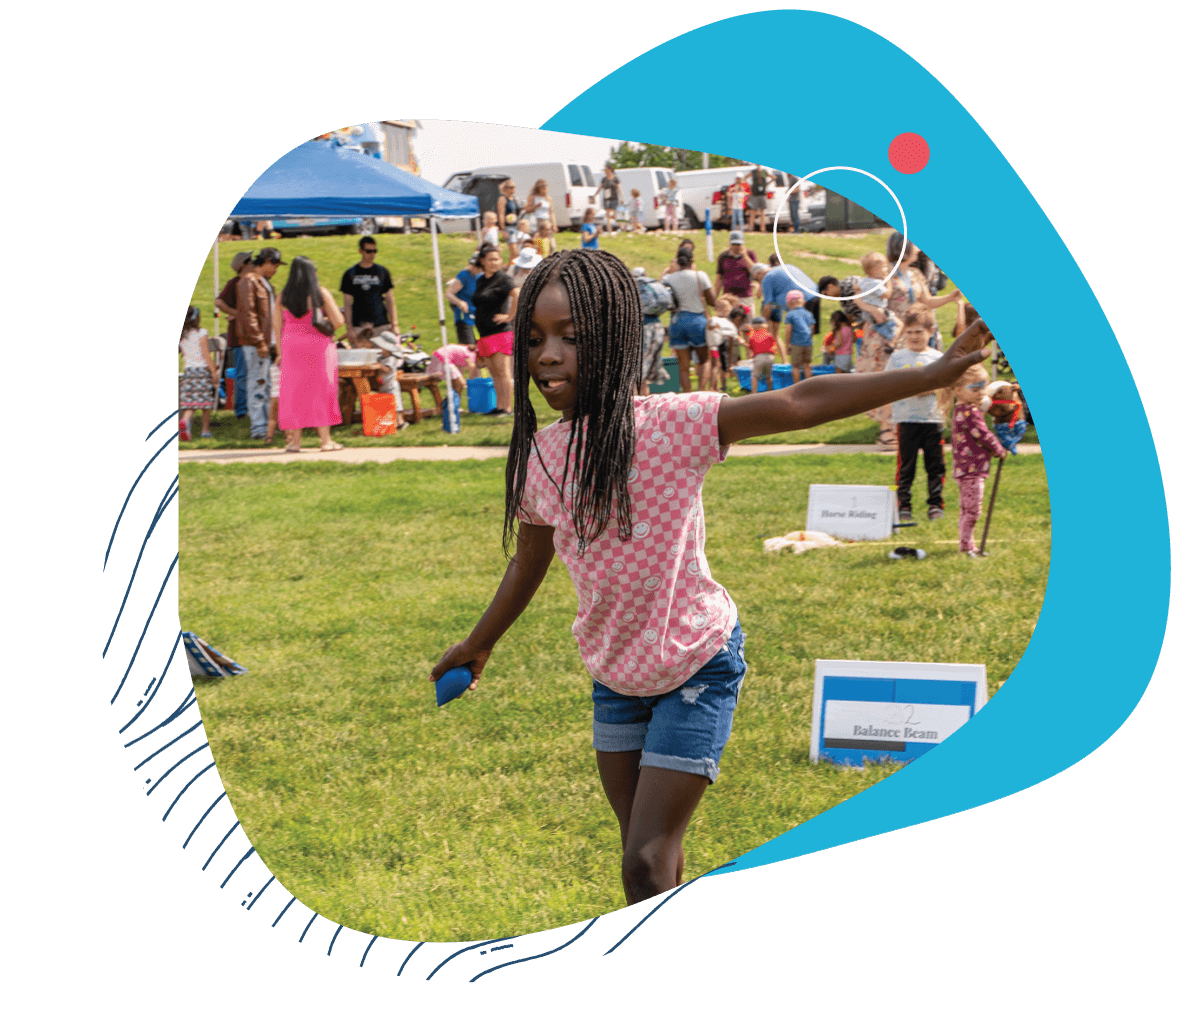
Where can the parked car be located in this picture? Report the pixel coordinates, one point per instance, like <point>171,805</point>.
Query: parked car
<point>309,226</point>
<point>571,186</point>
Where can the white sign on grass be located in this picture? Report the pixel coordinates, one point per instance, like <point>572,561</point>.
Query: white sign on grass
<point>861,513</point>
<point>894,710</point>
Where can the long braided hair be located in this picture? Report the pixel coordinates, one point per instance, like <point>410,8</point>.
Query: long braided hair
<point>607,314</point>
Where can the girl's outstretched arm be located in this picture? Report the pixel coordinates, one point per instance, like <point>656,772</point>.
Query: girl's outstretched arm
<point>822,399</point>
<point>526,570</point>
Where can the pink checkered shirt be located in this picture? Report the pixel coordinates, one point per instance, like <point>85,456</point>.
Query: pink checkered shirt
<point>650,614</point>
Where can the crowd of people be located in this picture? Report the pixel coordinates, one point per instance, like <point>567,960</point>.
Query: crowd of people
<point>282,355</point>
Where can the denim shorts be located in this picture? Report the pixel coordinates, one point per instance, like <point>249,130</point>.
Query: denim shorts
<point>687,330</point>
<point>685,729</point>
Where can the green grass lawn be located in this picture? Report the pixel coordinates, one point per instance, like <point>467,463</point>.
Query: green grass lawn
<point>340,587</point>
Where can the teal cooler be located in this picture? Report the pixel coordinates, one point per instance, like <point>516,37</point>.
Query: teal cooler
<point>481,395</point>
<point>671,364</point>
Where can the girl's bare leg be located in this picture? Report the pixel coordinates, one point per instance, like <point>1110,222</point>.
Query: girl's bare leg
<point>500,366</point>
<point>663,803</point>
<point>292,437</point>
<point>205,415</point>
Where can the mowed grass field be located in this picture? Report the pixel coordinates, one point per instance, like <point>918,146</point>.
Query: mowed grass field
<point>339,587</point>
<point>410,261</point>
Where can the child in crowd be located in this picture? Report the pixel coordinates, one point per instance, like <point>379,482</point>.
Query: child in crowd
<point>198,384</point>
<point>973,445</point>
<point>874,293</point>
<point>544,240</point>
<point>736,194</point>
<point>798,335</point>
<point>762,349</point>
<point>843,341</point>
<point>635,211</point>
<point>452,360</point>
<point>614,489</point>
<point>589,231</point>
<point>670,206</point>
<point>491,231</point>
<point>722,334</point>
<point>524,232</point>
<point>918,419</point>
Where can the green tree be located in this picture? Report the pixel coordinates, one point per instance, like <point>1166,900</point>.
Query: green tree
<point>633,155</point>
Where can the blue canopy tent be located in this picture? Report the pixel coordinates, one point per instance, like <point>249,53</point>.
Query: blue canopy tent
<point>324,179</point>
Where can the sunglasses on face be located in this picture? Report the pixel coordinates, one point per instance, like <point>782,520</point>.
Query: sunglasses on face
<point>369,249</point>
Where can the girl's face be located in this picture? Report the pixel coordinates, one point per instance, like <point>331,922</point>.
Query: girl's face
<point>492,262</point>
<point>553,364</point>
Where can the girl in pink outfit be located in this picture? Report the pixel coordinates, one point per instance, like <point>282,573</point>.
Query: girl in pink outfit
<point>614,489</point>
<point>974,446</point>
<point>308,372</point>
<point>455,360</point>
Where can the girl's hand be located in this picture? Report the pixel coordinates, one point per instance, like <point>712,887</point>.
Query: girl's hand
<point>500,318</point>
<point>462,654</point>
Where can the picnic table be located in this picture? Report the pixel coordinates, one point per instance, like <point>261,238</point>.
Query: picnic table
<point>410,383</point>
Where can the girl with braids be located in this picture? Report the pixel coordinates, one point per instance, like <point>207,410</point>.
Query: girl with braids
<point>614,489</point>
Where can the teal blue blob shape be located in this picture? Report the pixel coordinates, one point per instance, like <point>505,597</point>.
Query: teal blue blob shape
<point>1102,622</point>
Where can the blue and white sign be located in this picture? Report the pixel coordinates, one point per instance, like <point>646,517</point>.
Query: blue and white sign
<point>894,710</point>
<point>859,513</point>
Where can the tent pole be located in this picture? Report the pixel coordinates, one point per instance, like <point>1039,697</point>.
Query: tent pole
<point>216,312</point>
<point>437,280</point>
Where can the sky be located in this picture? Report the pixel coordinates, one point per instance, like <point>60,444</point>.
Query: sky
<point>445,147</point>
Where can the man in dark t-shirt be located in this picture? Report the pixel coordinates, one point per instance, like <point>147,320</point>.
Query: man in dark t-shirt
<point>367,295</point>
<point>756,203</point>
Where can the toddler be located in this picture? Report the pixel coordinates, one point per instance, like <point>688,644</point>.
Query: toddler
<point>491,231</point>
<point>198,385</point>
<point>974,445</point>
<point>874,293</point>
<point>843,341</point>
<point>798,335</point>
<point>635,211</point>
<point>762,349</point>
<point>544,240</point>
<point>589,231</point>
<point>918,419</point>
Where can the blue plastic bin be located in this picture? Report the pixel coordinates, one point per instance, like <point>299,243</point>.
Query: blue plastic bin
<point>481,395</point>
<point>823,370</point>
<point>781,376</point>
<point>449,424</point>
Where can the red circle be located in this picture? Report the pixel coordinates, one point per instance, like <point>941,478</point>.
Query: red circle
<point>908,153</point>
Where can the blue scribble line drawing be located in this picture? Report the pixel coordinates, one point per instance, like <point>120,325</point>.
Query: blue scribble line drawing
<point>204,817</point>
<point>173,414</point>
<point>663,901</point>
<point>367,950</point>
<point>195,778</point>
<point>472,946</point>
<point>218,847</point>
<point>283,912</point>
<point>409,957</point>
<point>536,956</point>
<point>236,867</point>
<point>329,952</point>
<point>261,890</point>
<point>161,679</point>
<point>169,495</point>
<point>308,926</point>
<point>187,702</point>
<point>203,745</point>
<point>173,437</point>
<point>168,745</point>
<point>170,570</point>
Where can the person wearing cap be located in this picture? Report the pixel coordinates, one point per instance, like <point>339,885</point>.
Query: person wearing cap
<point>367,297</point>
<point>252,326</point>
<point>798,335</point>
<point>735,268</point>
<point>459,291</point>
<point>226,303</point>
<point>737,194</point>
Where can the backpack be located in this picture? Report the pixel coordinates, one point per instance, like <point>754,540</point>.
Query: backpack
<point>657,298</point>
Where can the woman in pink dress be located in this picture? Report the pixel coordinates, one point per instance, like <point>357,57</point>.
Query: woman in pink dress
<point>308,382</point>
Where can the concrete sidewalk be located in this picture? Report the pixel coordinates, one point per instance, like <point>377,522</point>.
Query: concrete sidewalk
<point>385,455</point>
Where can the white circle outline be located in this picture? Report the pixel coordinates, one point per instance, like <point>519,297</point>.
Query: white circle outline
<point>903,223</point>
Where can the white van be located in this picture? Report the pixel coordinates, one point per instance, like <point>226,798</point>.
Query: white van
<point>650,182</point>
<point>697,187</point>
<point>571,186</point>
